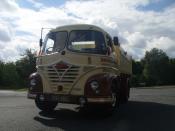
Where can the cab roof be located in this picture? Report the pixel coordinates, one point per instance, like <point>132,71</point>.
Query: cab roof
<point>79,27</point>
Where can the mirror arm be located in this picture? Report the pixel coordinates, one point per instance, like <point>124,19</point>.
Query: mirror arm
<point>41,39</point>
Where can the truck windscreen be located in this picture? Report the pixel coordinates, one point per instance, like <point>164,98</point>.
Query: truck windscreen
<point>55,41</point>
<point>87,41</point>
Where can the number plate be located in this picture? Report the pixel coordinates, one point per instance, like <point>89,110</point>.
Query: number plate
<point>64,99</point>
<point>55,98</point>
<point>61,98</point>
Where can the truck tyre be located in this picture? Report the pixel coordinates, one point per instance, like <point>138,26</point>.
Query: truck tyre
<point>46,106</point>
<point>115,96</point>
<point>124,96</point>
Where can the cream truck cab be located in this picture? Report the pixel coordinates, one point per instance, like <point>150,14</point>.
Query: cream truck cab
<point>80,64</point>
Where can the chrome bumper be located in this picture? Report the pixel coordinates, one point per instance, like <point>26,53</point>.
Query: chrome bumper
<point>31,96</point>
<point>72,99</point>
<point>99,100</point>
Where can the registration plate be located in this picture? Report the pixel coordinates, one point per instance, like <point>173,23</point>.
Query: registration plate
<point>64,99</point>
<point>61,98</point>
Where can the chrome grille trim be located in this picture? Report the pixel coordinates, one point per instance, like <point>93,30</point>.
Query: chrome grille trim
<point>58,76</point>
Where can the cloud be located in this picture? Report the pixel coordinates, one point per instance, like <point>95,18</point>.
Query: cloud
<point>13,50</point>
<point>8,5</point>
<point>165,43</point>
<point>138,31</point>
<point>136,39</point>
<point>5,33</point>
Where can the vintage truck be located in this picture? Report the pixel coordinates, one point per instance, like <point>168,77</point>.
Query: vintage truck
<point>80,64</point>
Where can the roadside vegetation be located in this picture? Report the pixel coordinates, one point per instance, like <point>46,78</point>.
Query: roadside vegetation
<point>156,68</point>
<point>14,75</point>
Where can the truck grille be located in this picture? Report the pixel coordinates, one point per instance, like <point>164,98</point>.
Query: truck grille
<point>58,75</point>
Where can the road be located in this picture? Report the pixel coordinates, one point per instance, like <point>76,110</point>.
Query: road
<point>150,109</point>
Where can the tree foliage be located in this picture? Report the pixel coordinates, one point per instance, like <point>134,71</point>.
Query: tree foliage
<point>155,64</point>
<point>26,65</point>
<point>137,69</point>
<point>9,75</point>
<point>15,74</point>
<point>156,68</point>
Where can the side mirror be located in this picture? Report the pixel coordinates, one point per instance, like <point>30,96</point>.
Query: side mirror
<point>116,42</point>
<point>40,42</point>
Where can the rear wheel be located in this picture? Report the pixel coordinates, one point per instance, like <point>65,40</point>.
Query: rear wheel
<point>125,91</point>
<point>46,106</point>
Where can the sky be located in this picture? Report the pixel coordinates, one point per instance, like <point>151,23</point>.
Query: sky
<point>140,24</point>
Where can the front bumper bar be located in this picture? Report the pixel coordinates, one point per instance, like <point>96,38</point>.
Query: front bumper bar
<point>72,99</point>
<point>99,100</point>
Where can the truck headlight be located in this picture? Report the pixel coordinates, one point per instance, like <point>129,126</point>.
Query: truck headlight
<point>32,82</point>
<point>95,86</point>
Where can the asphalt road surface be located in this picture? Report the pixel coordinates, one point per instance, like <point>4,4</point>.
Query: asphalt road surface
<point>150,109</point>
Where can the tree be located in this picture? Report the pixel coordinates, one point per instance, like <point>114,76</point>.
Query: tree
<point>137,69</point>
<point>155,67</point>
<point>26,65</point>
<point>9,75</point>
<point>1,71</point>
<point>171,71</point>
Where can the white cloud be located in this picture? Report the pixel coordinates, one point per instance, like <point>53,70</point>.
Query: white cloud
<point>165,43</point>
<point>136,39</point>
<point>8,5</point>
<point>137,30</point>
<point>5,33</point>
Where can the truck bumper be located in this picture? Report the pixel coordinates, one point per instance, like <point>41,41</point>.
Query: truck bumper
<point>31,96</point>
<point>71,99</point>
<point>99,100</point>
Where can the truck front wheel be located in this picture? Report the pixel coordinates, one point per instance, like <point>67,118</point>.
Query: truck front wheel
<point>115,95</point>
<point>46,106</point>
